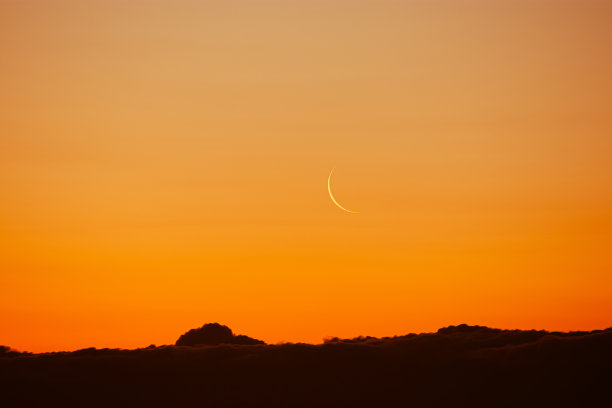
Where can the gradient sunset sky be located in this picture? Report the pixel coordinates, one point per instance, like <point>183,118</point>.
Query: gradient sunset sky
<point>164,164</point>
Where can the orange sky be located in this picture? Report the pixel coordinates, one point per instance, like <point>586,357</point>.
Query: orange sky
<point>164,164</point>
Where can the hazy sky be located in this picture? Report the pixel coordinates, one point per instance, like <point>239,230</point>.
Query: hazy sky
<point>164,164</point>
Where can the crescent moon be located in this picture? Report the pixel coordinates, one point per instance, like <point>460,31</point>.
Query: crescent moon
<point>332,196</point>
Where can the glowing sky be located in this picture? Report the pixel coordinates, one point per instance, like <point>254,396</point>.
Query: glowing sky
<point>164,164</point>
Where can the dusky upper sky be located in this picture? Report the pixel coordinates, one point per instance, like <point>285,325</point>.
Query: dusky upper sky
<point>164,164</point>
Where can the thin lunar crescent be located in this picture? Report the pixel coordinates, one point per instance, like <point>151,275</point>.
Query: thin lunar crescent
<point>332,196</point>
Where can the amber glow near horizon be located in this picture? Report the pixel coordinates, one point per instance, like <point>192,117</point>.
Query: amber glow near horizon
<point>164,164</point>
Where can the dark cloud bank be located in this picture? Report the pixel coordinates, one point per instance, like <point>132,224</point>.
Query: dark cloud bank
<point>458,366</point>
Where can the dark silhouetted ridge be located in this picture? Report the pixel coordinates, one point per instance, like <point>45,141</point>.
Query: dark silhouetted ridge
<point>458,366</point>
<point>214,334</point>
